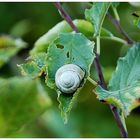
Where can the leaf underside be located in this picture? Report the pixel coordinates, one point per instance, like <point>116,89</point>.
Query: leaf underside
<point>124,87</point>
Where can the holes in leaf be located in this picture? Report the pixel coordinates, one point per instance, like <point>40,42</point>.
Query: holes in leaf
<point>60,46</point>
<point>68,54</point>
<point>103,101</point>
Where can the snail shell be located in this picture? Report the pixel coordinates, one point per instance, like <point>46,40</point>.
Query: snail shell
<point>69,77</point>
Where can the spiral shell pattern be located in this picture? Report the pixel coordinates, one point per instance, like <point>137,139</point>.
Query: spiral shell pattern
<point>69,77</point>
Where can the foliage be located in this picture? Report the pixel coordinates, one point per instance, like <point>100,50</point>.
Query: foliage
<point>16,107</point>
<point>136,18</point>
<point>28,104</point>
<point>41,45</point>
<point>9,47</point>
<point>97,14</point>
<point>63,51</point>
<point>35,66</point>
<point>124,84</point>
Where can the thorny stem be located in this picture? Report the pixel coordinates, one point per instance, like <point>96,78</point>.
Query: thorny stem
<point>99,70</point>
<point>120,29</point>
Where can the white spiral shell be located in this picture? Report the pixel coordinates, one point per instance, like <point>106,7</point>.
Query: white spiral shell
<point>69,77</point>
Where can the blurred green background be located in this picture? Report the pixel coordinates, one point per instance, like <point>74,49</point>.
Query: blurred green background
<point>89,117</point>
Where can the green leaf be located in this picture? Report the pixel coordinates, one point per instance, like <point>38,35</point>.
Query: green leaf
<point>68,48</point>
<point>21,101</point>
<point>124,87</point>
<point>9,47</point>
<point>21,28</point>
<point>41,45</point>
<point>97,14</point>
<point>136,18</point>
<point>35,66</point>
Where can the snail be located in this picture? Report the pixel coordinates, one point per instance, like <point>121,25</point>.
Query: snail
<point>68,78</point>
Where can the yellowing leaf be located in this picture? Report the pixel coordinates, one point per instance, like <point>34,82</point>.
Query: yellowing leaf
<point>35,66</point>
<point>124,87</point>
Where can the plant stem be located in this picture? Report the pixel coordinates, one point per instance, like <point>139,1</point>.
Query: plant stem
<point>114,110</point>
<point>99,70</point>
<point>120,29</point>
<point>100,73</point>
<point>120,124</point>
<point>65,16</point>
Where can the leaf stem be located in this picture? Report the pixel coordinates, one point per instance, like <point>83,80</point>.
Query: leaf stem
<point>115,39</point>
<point>99,70</point>
<point>116,13</point>
<point>92,81</point>
<point>98,44</point>
<point>120,29</point>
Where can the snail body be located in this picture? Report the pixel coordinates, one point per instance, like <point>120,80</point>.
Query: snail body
<point>68,78</point>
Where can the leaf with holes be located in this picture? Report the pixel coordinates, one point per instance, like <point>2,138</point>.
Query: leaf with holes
<point>97,14</point>
<point>124,87</point>
<point>9,47</point>
<point>41,45</point>
<point>35,66</point>
<point>68,48</point>
<point>21,101</point>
